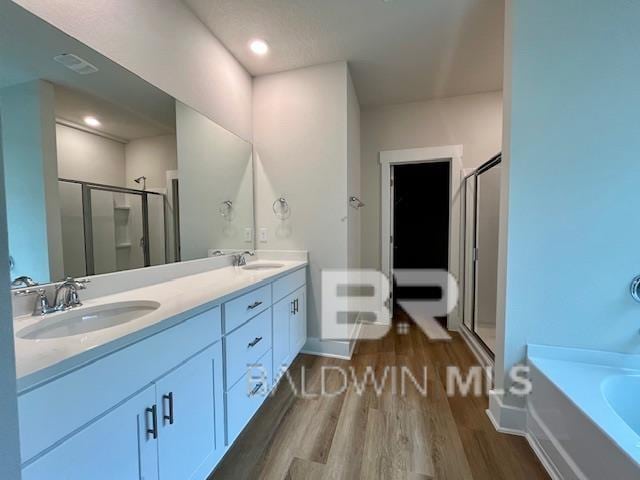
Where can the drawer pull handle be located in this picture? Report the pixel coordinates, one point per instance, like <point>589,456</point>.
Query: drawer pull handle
<point>297,307</point>
<point>153,431</point>
<point>255,304</point>
<point>169,417</point>
<point>256,341</point>
<point>256,389</point>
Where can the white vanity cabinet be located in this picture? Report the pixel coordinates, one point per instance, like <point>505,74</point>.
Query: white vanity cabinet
<point>170,405</point>
<point>189,405</point>
<point>114,446</point>
<point>151,410</point>
<point>289,321</point>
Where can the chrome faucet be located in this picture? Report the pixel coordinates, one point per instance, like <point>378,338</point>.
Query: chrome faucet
<point>66,297</point>
<point>67,294</point>
<point>240,260</point>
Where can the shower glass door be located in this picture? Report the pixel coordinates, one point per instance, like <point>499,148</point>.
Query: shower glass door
<point>117,239</point>
<point>486,254</point>
<point>109,229</point>
<point>480,213</point>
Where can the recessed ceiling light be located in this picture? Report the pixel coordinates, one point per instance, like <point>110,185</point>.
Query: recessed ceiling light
<point>92,121</point>
<point>259,47</point>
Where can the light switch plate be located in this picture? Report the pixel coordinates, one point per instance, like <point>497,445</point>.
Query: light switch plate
<point>264,235</point>
<point>248,234</point>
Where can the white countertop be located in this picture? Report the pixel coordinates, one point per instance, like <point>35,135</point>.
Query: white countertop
<point>179,299</point>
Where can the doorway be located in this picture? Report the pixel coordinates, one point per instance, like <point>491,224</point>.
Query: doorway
<point>420,195</point>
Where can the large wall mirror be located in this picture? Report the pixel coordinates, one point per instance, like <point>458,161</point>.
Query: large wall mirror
<point>103,171</point>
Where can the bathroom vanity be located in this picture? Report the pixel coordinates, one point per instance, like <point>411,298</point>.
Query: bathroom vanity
<point>163,394</point>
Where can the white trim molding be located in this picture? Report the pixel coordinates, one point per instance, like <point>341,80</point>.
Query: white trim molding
<point>506,418</point>
<point>328,348</point>
<point>448,153</point>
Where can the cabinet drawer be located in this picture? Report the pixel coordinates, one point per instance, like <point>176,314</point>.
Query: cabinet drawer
<point>241,309</point>
<point>244,399</point>
<point>289,283</point>
<point>246,346</point>
<point>56,409</point>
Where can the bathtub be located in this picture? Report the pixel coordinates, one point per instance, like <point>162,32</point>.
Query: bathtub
<point>583,413</point>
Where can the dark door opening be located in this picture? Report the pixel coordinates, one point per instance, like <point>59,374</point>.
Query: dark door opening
<point>421,199</point>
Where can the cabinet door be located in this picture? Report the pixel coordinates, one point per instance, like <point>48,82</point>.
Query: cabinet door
<point>282,312</point>
<point>188,422</point>
<point>116,445</point>
<point>298,326</point>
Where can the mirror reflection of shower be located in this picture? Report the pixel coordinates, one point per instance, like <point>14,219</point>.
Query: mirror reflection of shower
<point>142,180</point>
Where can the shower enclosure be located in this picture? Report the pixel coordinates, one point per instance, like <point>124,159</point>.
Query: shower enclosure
<point>480,203</point>
<point>107,228</point>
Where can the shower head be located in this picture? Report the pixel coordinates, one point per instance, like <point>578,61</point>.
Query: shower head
<point>142,180</point>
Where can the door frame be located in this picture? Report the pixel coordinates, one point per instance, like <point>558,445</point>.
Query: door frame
<point>388,158</point>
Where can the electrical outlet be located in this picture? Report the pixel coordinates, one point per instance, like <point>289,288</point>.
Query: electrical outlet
<point>264,235</point>
<point>248,234</point>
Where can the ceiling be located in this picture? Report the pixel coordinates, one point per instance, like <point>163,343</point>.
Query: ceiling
<point>398,50</point>
<point>127,106</point>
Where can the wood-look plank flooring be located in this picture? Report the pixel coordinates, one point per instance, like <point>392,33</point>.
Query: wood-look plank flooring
<point>364,434</point>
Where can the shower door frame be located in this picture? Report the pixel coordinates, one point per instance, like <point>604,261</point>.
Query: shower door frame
<point>87,221</point>
<point>493,162</point>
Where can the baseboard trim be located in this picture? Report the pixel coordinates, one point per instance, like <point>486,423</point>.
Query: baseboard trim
<point>328,348</point>
<point>520,421</point>
<point>506,418</point>
<point>563,461</point>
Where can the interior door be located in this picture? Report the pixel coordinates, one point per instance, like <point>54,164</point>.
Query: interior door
<point>190,409</point>
<point>421,202</point>
<point>117,446</point>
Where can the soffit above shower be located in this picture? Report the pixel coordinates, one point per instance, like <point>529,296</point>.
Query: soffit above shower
<point>398,51</point>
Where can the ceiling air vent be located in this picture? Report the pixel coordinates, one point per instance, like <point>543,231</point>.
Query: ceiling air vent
<point>75,63</point>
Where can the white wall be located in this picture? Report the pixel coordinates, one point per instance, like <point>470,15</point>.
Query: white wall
<point>300,142</point>
<point>90,158</point>
<point>570,248</point>
<point>151,157</point>
<point>9,440</point>
<point>165,44</point>
<point>473,121</point>
<point>354,219</point>
<point>33,204</point>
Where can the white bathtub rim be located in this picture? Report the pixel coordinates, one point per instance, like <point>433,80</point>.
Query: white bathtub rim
<point>624,437</point>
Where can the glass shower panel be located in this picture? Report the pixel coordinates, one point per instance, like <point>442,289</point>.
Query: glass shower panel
<point>158,253</point>
<point>72,223</point>
<point>129,223</point>
<point>103,231</point>
<point>117,232</point>
<point>487,233</point>
<point>468,236</point>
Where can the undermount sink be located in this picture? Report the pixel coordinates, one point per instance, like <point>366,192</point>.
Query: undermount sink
<point>85,320</point>
<point>262,266</point>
